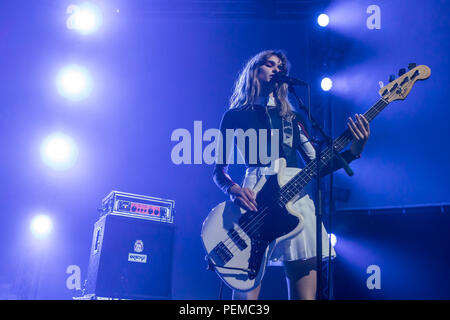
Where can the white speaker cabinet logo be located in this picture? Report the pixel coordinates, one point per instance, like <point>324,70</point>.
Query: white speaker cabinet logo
<point>139,246</point>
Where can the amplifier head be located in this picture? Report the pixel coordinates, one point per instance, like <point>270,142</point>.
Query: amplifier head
<point>138,206</point>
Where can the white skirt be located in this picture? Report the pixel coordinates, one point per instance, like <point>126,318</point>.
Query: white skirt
<point>302,246</point>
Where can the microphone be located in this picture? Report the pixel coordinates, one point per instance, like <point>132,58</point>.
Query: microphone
<point>289,80</point>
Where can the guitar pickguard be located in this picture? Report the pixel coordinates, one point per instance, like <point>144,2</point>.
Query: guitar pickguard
<point>270,222</point>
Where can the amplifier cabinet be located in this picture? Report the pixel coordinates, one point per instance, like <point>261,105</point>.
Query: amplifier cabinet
<point>130,258</point>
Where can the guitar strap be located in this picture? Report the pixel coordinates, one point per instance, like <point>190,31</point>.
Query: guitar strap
<point>288,137</point>
<point>287,134</point>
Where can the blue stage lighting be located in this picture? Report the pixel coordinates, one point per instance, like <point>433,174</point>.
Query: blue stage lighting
<point>41,226</point>
<point>74,82</point>
<point>333,239</point>
<point>85,18</point>
<point>326,84</point>
<point>323,20</point>
<point>59,151</point>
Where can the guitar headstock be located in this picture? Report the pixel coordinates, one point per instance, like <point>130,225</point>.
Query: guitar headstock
<point>399,88</point>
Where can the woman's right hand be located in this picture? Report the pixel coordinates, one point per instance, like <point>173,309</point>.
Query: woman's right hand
<point>244,197</point>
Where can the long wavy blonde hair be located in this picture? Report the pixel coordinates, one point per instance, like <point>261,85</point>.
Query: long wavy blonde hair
<point>247,87</point>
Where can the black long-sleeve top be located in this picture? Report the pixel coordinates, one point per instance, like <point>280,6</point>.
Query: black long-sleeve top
<point>263,117</point>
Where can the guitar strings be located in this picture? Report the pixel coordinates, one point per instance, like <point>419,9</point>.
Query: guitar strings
<point>253,223</point>
<point>340,143</point>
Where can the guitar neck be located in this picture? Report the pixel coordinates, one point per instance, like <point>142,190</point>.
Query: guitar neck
<point>309,172</point>
<point>340,142</point>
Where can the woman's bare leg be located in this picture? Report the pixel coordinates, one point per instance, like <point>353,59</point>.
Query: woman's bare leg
<point>301,278</point>
<point>249,295</point>
<point>304,288</point>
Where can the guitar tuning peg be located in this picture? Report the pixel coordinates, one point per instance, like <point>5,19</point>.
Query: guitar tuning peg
<point>391,78</point>
<point>380,84</point>
<point>401,72</point>
<point>411,66</point>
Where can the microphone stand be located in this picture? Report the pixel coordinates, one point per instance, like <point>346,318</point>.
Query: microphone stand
<point>319,211</point>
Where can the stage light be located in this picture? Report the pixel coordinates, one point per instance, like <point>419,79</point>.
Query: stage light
<point>85,18</point>
<point>41,226</point>
<point>59,151</point>
<point>326,84</point>
<point>323,20</point>
<point>74,82</point>
<point>333,239</point>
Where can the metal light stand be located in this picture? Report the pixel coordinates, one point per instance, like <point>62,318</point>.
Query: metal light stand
<point>319,211</point>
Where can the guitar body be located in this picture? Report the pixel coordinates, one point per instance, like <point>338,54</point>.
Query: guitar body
<point>235,238</point>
